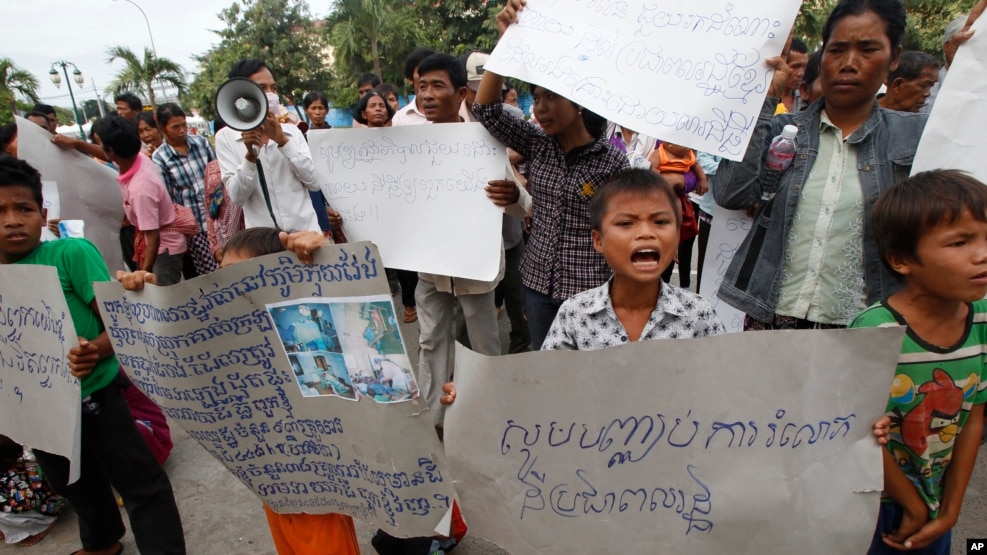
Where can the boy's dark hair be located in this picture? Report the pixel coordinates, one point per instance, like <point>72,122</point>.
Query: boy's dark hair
<point>7,134</point>
<point>631,181</point>
<point>891,12</point>
<point>15,172</point>
<point>33,114</point>
<point>118,134</point>
<point>167,111</point>
<point>414,59</point>
<point>246,68</point>
<point>256,241</point>
<point>447,63</point>
<point>44,109</point>
<point>132,100</point>
<point>366,78</point>
<point>907,211</point>
<point>798,45</point>
<point>312,96</point>
<point>910,65</point>
<point>813,68</point>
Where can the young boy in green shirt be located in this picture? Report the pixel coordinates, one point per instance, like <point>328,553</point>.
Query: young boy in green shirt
<point>931,229</point>
<point>113,451</point>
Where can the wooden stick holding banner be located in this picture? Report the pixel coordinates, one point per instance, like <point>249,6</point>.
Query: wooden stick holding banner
<point>690,72</point>
<point>296,378</point>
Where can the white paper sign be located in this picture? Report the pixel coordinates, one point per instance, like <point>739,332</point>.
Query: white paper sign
<point>727,232</point>
<point>743,444</point>
<point>417,192</point>
<point>953,138</point>
<point>40,404</point>
<point>687,71</point>
<point>87,190</point>
<point>310,403</point>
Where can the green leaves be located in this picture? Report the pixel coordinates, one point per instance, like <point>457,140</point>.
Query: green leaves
<point>15,82</point>
<point>139,75</point>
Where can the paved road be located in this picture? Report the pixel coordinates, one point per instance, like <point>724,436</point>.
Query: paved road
<point>222,517</point>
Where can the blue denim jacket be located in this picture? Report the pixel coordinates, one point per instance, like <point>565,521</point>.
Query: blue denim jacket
<point>886,145</point>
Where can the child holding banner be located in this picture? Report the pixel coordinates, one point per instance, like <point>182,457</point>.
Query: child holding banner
<point>113,451</point>
<point>293,533</point>
<point>931,230</point>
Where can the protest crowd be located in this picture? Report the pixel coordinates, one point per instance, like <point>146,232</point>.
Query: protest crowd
<point>600,228</point>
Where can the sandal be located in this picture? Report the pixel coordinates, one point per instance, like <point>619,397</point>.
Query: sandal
<point>410,314</point>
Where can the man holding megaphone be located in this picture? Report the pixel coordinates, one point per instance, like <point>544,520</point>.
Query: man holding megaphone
<point>266,165</point>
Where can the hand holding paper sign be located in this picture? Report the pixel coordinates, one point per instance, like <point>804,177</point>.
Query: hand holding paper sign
<point>508,16</point>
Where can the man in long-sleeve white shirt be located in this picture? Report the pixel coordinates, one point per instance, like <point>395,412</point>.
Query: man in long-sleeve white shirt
<point>284,157</point>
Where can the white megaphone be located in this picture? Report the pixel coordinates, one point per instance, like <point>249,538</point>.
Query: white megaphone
<point>242,104</point>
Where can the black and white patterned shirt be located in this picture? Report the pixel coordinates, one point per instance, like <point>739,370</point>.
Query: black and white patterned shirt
<point>588,322</point>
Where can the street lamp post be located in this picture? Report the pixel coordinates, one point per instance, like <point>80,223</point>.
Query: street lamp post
<point>77,77</point>
<point>146,21</point>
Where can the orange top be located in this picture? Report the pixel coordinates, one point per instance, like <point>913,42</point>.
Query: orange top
<point>674,165</point>
<point>305,534</point>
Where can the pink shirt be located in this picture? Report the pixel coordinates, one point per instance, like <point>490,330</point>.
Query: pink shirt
<point>147,204</point>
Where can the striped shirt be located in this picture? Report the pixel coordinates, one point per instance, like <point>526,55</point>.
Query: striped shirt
<point>559,259</point>
<point>185,176</point>
<point>933,390</point>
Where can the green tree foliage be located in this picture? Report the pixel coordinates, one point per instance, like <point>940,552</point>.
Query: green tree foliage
<point>15,82</point>
<point>139,75</point>
<point>281,32</point>
<point>90,109</point>
<point>371,36</point>
<point>459,26</point>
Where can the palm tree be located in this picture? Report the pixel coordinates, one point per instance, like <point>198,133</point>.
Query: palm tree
<point>138,76</point>
<point>14,81</point>
<point>362,25</point>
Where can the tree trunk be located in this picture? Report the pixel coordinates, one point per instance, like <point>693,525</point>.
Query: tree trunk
<point>374,52</point>
<point>150,93</point>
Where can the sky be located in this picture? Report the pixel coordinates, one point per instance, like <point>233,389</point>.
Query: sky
<point>37,33</point>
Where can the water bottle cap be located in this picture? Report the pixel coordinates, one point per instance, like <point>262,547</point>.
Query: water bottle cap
<point>790,131</point>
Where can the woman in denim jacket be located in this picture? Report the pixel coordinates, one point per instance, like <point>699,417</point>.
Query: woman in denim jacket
<point>810,259</point>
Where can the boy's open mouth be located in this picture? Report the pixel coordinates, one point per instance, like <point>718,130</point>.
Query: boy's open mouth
<point>645,259</point>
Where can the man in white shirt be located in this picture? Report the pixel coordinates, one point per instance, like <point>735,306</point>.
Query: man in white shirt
<point>283,157</point>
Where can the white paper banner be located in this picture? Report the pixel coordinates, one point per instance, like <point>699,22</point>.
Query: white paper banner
<point>727,232</point>
<point>87,189</point>
<point>953,138</point>
<point>687,71</point>
<point>743,444</point>
<point>40,404</point>
<point>417,192</point>
<point>268,387</point>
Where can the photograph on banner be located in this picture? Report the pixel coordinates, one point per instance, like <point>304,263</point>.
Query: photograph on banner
<point>952,139</point>
<point>727,231</point>
<point>689,72</point>
<point>369,361</point>
<point>53,208</point>
<point>88,192</point>
<point>40,404</point>
<point>740,443</point>
<point>287,374</point>
<point>426,181</point>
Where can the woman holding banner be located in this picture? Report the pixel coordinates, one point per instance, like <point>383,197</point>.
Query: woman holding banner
<point>569,157</point>
<point>810,260</point>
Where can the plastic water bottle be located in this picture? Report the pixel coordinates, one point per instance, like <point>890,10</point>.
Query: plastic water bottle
<point>780,156</point>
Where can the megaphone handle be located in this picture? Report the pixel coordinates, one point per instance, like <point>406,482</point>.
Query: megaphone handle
<point>256,152</point>
<point>264,190</point>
